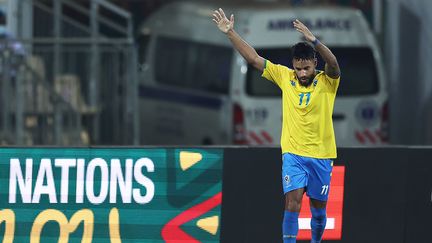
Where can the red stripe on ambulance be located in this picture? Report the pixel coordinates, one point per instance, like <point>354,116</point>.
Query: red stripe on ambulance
<point>255,138</point>
<point>267,136</point>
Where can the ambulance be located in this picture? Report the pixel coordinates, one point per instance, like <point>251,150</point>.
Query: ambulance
<point>196,89</point>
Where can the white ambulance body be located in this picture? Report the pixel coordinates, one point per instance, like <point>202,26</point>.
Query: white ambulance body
<point>196,89</point>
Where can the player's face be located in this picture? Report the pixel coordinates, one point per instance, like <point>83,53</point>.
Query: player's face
<point>305,70</point>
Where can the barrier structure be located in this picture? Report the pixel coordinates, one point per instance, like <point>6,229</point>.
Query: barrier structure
<point>205,194</point>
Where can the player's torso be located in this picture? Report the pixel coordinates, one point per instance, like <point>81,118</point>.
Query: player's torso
<point>306,104</point>
<point>307,113</point>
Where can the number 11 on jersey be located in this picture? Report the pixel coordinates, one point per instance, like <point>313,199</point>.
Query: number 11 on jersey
<point>302,95</point>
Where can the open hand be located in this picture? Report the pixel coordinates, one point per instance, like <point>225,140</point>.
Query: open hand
<point>300,27</point>
<point>223,23</point>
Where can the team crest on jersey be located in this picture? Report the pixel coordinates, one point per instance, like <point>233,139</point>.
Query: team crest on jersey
<point>287,179</point>
<point>293,83</point>
<point>315,82</point>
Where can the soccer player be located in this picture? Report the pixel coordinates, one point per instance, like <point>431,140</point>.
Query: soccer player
<point>307,140</point>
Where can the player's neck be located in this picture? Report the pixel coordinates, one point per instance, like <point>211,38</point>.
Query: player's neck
<point>308,83</point>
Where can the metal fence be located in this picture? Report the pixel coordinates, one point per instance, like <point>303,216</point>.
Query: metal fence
<point>69,92</point>
<point>75,84</point>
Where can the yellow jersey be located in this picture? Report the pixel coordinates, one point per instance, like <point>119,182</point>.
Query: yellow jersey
<point>307,125</point>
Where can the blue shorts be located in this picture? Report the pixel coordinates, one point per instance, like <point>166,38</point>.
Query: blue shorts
<point>309,173</point>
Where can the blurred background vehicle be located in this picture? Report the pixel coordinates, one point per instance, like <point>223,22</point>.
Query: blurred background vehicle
<point>77,80</point>
<point>195,89</point>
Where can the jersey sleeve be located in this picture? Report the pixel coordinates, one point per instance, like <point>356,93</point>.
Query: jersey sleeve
<point>272,72</point>
<point>333,83</point>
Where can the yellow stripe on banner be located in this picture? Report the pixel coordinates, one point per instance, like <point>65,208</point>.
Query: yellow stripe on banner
<point>8,217</point>
<point>189,159</point>
<point>114,226</point>
<point>210,224</point>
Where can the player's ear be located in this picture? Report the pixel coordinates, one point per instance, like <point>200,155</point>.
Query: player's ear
<point>316,62</point>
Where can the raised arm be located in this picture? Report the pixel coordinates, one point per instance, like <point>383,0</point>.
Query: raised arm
<point>331,67</point>
<point>227,26</point>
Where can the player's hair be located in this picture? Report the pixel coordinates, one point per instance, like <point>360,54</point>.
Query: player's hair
<point>303,51</point>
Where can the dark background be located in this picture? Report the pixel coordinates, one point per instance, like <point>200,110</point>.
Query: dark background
<point>387,196</point>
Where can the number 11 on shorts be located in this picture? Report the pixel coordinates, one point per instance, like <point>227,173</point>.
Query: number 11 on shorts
<point>324,189</point>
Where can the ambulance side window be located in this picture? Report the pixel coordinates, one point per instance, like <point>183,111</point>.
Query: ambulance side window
<point>170,64</point>
<point>192,65</point>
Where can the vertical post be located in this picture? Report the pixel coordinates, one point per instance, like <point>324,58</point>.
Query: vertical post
<point>94,69</point>
<point>6,82</point>
<point>20,100</point>
<point>392,63</point>
<point>25,23</point>
<point>57,69</point>
<point>19,30</point>
<point>12,16</point>
<point>130,29</point>
<point>377,16</point>
<point>132,95</point>
<point>132,110</point>
<point>118,65</point>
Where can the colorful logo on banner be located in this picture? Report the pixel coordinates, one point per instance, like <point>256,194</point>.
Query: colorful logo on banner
<point>333,229</point>
<point>110,195</point>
